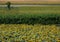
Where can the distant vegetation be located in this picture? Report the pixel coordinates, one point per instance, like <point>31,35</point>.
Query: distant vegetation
<point>30,15</point>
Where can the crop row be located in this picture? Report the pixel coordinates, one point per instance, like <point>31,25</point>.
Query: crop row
<point>29,33</point>
<point>29,19</point>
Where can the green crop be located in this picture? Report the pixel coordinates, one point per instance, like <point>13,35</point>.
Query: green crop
<point>30,15</point>
<point>29,33</point>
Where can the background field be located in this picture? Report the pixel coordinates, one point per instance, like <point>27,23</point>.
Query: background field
<point>30,15</point>
<point>31,9</point>
<point>30,2</point>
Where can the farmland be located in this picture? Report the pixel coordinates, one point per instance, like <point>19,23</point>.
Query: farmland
<point>30,15</point>
<point>30,24</point>
<point>29,33</point>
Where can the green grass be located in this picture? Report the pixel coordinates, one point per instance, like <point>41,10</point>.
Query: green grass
<point>25,14</point>
<point>32,10</point>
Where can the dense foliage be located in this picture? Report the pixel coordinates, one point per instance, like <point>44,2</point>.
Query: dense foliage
<point>30,19</point>
<point>30,15</point>
<point>29,33</point>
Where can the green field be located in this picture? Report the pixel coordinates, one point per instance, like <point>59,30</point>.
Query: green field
<point>22,32</point>
<point>31,10</point>
<point>30,15</point>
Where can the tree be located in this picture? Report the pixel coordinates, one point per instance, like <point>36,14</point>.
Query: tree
<point>9,5</point>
